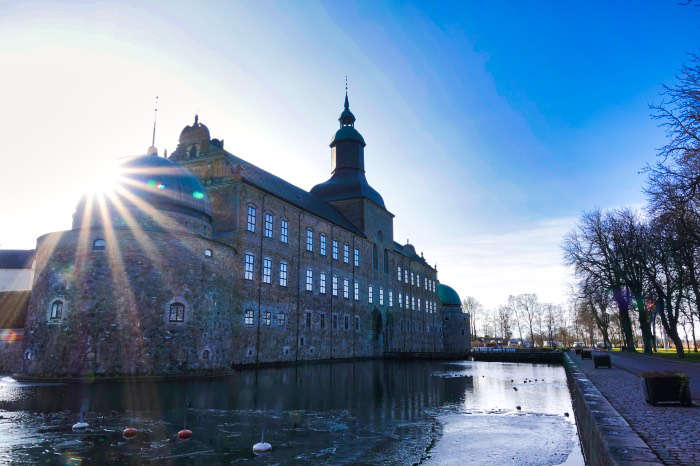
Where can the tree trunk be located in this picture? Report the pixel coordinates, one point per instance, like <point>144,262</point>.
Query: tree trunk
<point>625,323</point>
<point>644,325</point>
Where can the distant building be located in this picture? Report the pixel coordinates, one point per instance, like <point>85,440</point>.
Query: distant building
<point>202,261</point>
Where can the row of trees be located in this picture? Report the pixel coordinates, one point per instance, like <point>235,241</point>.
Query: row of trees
<point>632,266</point>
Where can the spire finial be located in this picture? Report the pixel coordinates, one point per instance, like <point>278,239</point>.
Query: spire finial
<point>347,104</point>
<point>155,118</point>
<point>346,118</point>
<point>196,119</point>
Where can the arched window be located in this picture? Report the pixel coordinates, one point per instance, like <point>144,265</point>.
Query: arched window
<point>99,244</point>
<point>207,253</point>
<point>193,151</point>
<point>177,312</point>
<point>205,354</point>
<point>57,310</point>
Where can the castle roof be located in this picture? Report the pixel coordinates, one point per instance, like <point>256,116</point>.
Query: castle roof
<point>16,258</point>
<point>284,190</point>
<point>409,251</point>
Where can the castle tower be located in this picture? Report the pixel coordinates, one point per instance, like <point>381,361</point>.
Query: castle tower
<point>349,191</point>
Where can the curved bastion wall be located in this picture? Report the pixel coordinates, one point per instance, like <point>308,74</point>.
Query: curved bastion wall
<point>143,302</point>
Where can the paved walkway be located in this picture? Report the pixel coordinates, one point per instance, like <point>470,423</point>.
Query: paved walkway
<point>673,432</point>
<point>636,363</point>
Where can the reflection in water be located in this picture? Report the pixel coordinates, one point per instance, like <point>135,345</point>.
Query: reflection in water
<point>343,412</point>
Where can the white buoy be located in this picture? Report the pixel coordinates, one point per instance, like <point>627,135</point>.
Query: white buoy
<point>82,425</point>
<point>261,447</point>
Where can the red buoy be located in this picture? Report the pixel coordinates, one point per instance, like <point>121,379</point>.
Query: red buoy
<point>184,434</point>
<point>129,433</point>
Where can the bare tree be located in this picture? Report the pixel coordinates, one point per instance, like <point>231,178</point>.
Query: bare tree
<point>471,305</point>
<point>528,306</point>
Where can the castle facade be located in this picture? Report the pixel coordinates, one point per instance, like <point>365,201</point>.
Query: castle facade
<point>201,261</point>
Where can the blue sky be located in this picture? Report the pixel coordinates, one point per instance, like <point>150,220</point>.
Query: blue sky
<point>490,126</point>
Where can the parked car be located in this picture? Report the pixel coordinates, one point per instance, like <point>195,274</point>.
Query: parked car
<point>601,345</point>
<point>579,344</point>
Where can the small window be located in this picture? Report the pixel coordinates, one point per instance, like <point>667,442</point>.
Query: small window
<point>346,288</point>
<point>205,354</point>
<point>301,341</point>
<point>177,312</point>
<point>251,218</point>
<point>381,296</point>
<point>357,291</point>
<point>419,304</point>
<point>267,318</point>
<point>267,270</point>
<point>281,318</point>
<point>357,323</point>
<point>346,253</point>
<point>347,322</point>
<point>370,295</point>
<point>309,280</point>
<point>283,274</point>
<point>391,299</point>
<point>249,266</point>
<point>322,283</point>
<point>322,322</point>
<point>309,239</point>
<point>335,249</point>
<point>398,270</point>
<point>405,275</point>
<point>57,310</point>
<point>413,303</point>
<point>357,257</point>
<point>335,285</point>
<point>323,244</point>
<point>208,253</point>
<point>248,317</point>
<point>284,231</point>
<point>400,300</point>
<point>412,283</point>
<point>335,322</point>
<point>267,231</point>
<point>99,245</point>
<point>308,319</point>
<point>418,280</point>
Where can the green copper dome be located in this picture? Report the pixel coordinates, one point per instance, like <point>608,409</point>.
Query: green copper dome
<point>448,296</point>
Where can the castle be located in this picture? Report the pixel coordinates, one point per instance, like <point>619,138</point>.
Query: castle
<point>201,261</point>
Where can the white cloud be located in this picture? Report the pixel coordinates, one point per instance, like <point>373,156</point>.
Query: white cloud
<point>492,266</point>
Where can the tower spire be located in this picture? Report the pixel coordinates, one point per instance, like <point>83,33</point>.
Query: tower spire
<point>346,118</point>
<point>152,149</point>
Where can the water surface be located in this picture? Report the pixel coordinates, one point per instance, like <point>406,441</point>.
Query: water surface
<point>336,413</point>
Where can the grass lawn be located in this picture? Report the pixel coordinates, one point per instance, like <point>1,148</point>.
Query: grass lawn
<point>671,354</point>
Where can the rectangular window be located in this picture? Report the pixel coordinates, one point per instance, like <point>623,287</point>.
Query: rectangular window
<point>335,250</point>
<point>335,286</point>
<point>267,270</point>
<point>267,318</point>
<point>357,323</point>
<point>405,275</point>
<point>177,311</point>
<point>322,322</point>
<point>347,322</point>
<point>391,298</point>
<point>281,319</point>
<point>369,294</point>
<point>248,317</point>
<point>426,283</point>
<point>412,283</point>
<point>309,280</point>
<point>283,274</point>
<point>249,266</point>
<point>267,231</point>
<point>418,280</point>
<point>335,322</point>
<point>408,304</point>
<point>346,288</point>
<point>433,286</point>
<point>284,231</point>
<point>323,244</point>
<point>357,291</point>
<point>322,283</point>
<point>400,300</point>
<point>251,218</point>
<point>309,239</point>
<point>419,304</point>
<point>308,319</point>
<point>346,253</point>
<point>413,303</point>
<point>381,296</point>
<point>357,257</point>
<point>398,270</point>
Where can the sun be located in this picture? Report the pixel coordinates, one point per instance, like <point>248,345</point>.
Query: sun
<point>105,178</point>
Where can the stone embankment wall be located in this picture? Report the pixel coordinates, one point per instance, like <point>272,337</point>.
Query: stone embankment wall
<point>606,438</point>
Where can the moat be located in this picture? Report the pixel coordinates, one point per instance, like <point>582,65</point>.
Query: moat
<point>367,412</point>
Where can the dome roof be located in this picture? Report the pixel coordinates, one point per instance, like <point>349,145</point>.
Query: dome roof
<point>448,296</point>
<point>164,184</point>
<point>347,133</point>
<point>347,185</point>
<point>194,134</point>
